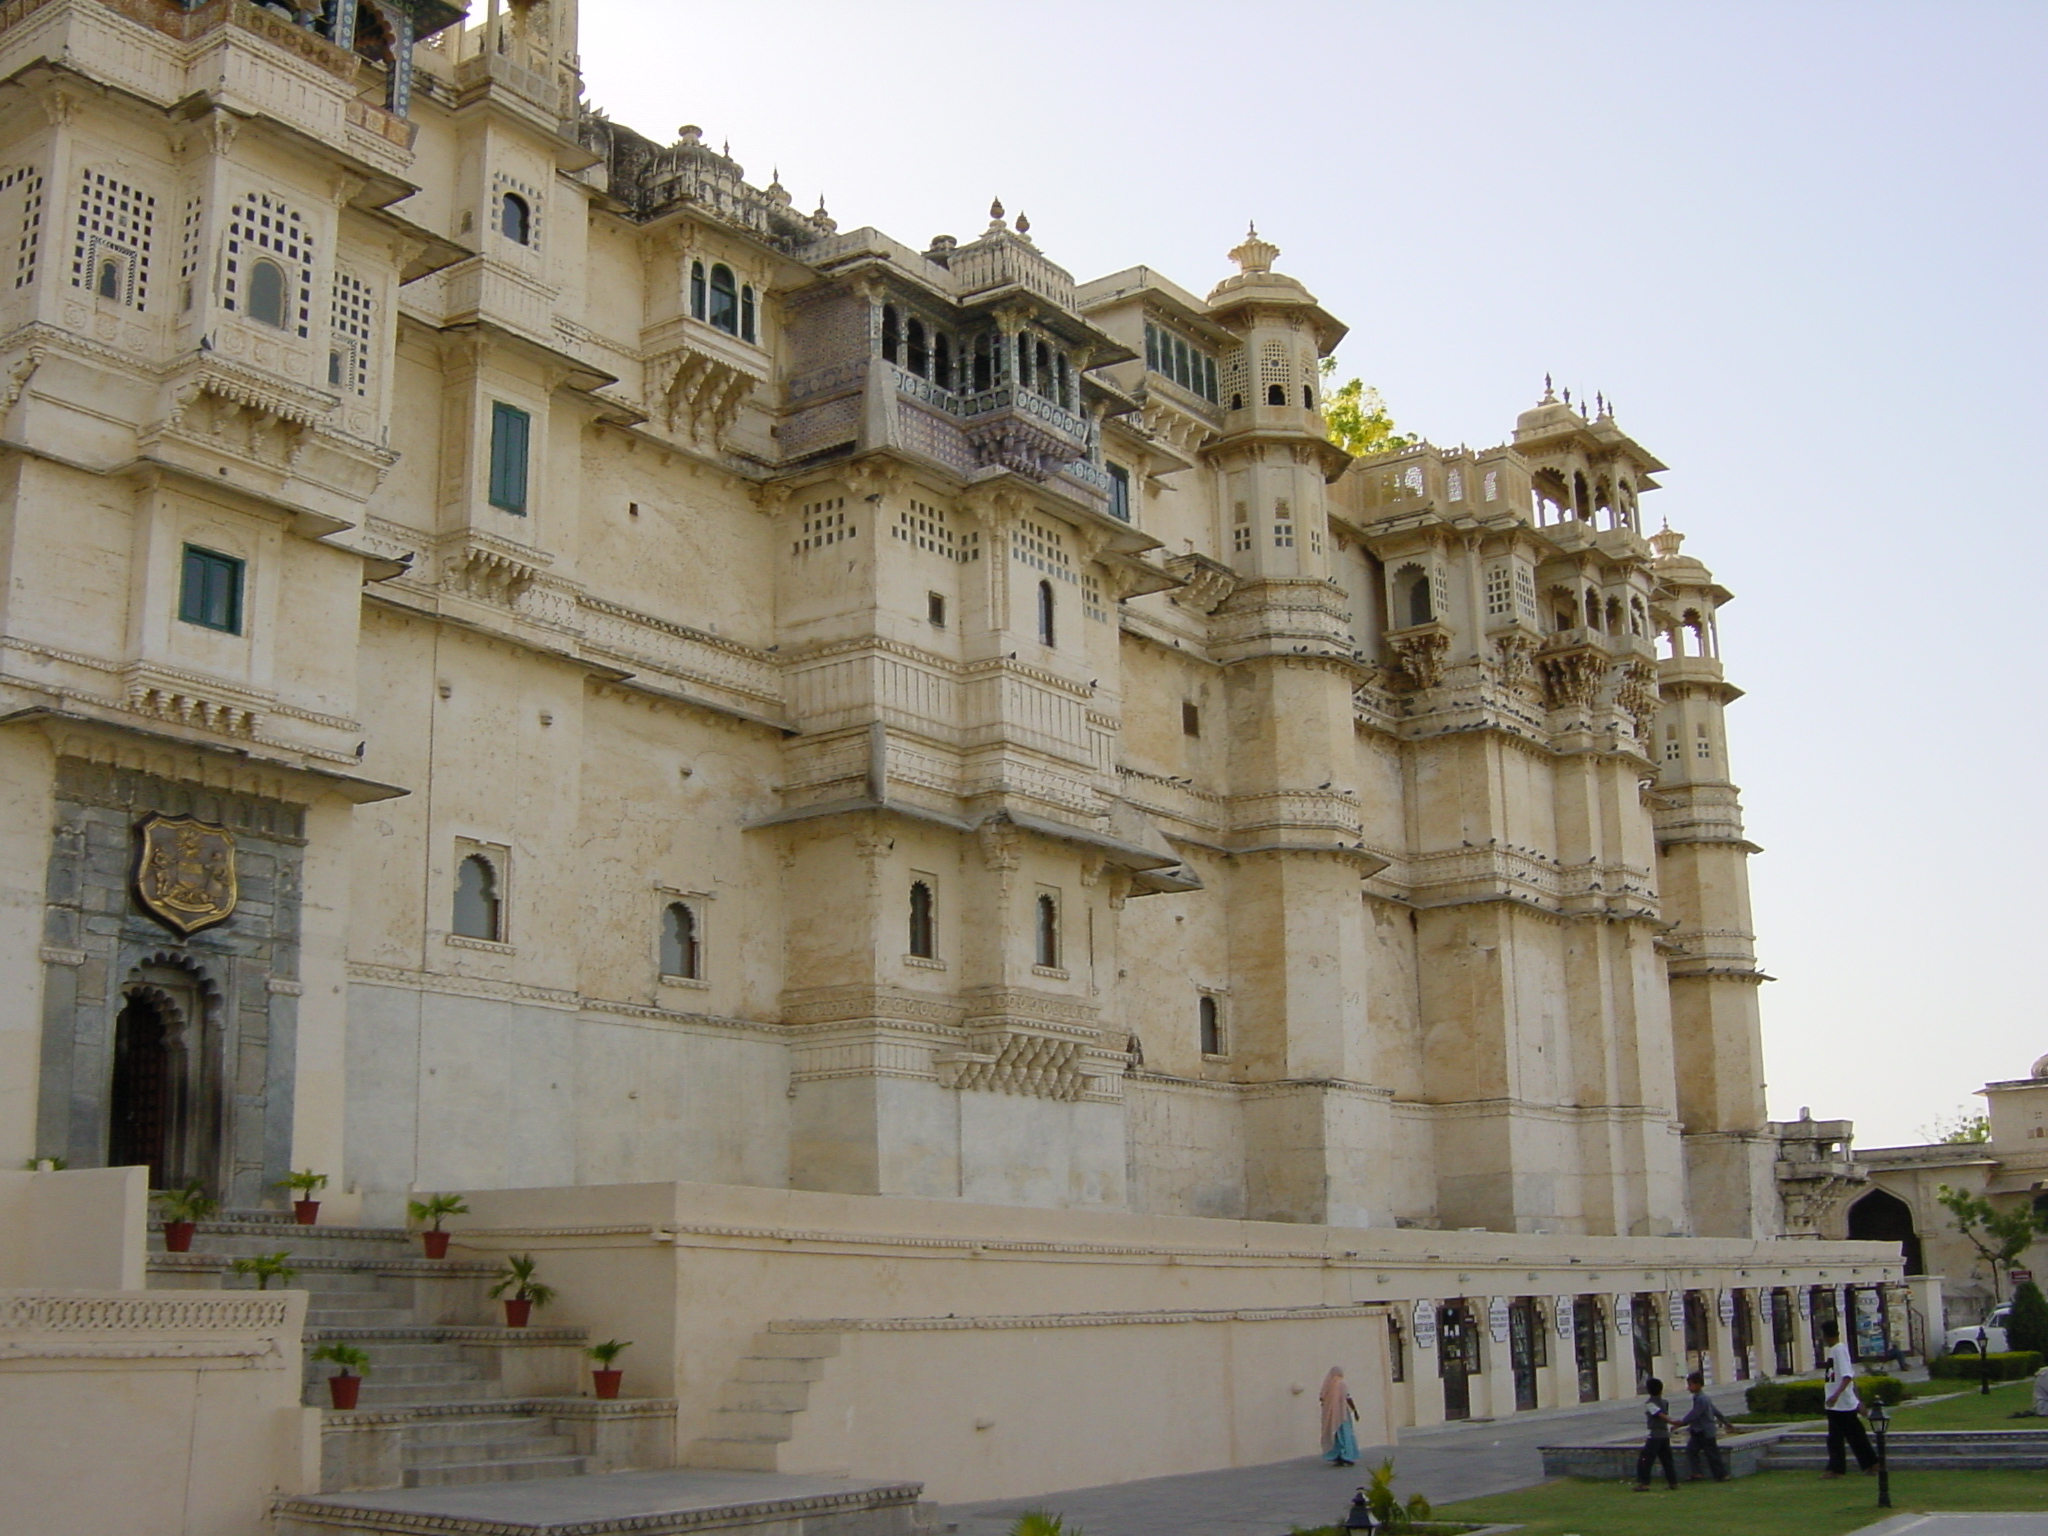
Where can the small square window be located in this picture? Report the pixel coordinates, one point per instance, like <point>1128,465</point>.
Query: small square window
<point>935,609</point>
<point>1190,718</point>
<point>210,590</point>
<point>511,433</point>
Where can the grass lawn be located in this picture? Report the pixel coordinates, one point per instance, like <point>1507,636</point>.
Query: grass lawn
<point>1768,1504</point>
<point>1974,1410</point>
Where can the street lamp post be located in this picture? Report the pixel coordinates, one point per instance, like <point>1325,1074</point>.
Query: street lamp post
<point>1358,1517</point>
<point>1880,1421</point>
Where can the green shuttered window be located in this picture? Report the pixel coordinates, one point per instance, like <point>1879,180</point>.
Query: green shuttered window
<point>511,431</point>
<point>210,590</point>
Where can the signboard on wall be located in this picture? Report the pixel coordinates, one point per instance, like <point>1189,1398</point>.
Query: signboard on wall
<point>1767,1307</point>
<point>1423,1323</point>
<point>1564,1308</point>
<point>1805,1302</point>
<point>1624,1315</point>
<point>1727,1309</point>
<point>1674,1308</point>
<point>1497,1319</point>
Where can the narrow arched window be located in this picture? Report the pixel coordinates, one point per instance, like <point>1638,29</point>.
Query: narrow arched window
<point>1419,608</point>
<point>942,362</point>
<point>984,364</point>
<point>1276,394</point>
<point>110,279</point>
<point>1212,1027</point>
<point>682,953</point>
<point>478,911</point>
<point>1237,402</point>
<point>697,291</point>
<point>266,293</point>
<point>892,335</point>
<point>923,932</point>
<point>1042,369</point>
<point>747,313</point>
<point>1066,386</point>
<point>515,219</point>
<point>1049,931</point>
<point>1592,610</point>
<point>1024,361</point>
<point>919,359</point>
<point>1308,397</point>
<point>725,300</point>
<point>1047,632</point>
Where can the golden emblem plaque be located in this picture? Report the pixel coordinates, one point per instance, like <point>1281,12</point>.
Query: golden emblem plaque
<point>185,872</point>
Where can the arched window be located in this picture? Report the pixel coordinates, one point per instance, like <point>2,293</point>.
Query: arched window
<point>1024,360</point>
<point>1592,610</point>
<point>747,313</point>
<point>1308,397</point>
<point>942,362</point>
<point>681,953</point>
<point>110,279</point>
<point>697,291</point>
<point>984,364</point>
<point>477,909</point>
<point>1276,394</point>
<point>1049,931</point>
<point>515,219</point>
<point>892,335</point>
<point>725,300</point>
<point>1065,386</point>
<point>266,293</point>
<point>923,931</point>
<point>918,357</point>
<point>1237,402</point>
<point>1212,1027</point>
<point>1415,604</point>
<point>1614,615</point>
<point>1638,618</point>
<point>1047,633</point>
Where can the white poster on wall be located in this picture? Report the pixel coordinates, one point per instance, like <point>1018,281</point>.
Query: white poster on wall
<point>1727,1309</point>
<point>1624,1315</point>
<point>1424,1324</point>
<point>1766,1307</point>
<point>1674,1309</point>
<point>1497,1319</point>
<point>1805,1302</point>
<point>1565,1309</point>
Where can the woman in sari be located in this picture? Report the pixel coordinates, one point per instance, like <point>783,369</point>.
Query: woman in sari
<point>1340,1441</point>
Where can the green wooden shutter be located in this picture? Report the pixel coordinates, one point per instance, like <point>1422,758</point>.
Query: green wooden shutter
<point>511,429</point>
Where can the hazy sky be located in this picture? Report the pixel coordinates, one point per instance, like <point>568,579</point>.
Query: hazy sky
<point>1799,243</point>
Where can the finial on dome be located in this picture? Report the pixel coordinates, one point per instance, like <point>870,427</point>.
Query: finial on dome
<point>1600,402</point>
<point>1549,393</point>
<point>1567,395</point>
<point>995,213</point>
<point>1255,254</point>
<point>1666,541</point>
<point>1023,225</point>
<point>689,133</point>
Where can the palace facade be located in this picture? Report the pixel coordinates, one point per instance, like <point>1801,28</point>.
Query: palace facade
<point>528,662</point>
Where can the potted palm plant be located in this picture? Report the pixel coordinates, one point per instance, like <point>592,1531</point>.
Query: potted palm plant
<point>604,1374</point>
<point>433,1208</point>
<point>307,1185</point>
<point>266,1267</point>
<point>182,1211</point>
<point>526,1292</point>
<point>343,1386</point>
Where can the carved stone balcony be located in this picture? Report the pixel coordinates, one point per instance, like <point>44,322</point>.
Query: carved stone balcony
<point>1573,664</point>
<point>1015,429</point>
<point>1419,652</point>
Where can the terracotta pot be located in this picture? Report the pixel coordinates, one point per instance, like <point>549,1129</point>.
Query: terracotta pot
<point>517,1312</point>
<point>437,1243</point>
<point>308,1211</point>
<point>343,1390</point>
<point>607,1382</point>
<point>178,1236</point>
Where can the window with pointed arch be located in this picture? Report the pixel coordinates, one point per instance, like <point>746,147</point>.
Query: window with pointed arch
<point>924,932</point>
<point>1209,1020</point>
<point>682,944</point>
<point>515,219</point>
<point>479,902</point>
<point>1048,617</point>
<point>725,300</point>
<point>1047,924</point>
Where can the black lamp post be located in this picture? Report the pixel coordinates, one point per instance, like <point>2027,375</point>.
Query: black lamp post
<point>1983,1361</point>
<point>1358,1517</point>
<point>1880,1421</point>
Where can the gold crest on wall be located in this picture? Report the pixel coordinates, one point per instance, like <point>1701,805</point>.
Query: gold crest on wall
<point>185,872</point>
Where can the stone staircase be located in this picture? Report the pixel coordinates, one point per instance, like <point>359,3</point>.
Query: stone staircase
<point>451,1397</point>
<point>757,1408</point>
<point>1957,1450</point>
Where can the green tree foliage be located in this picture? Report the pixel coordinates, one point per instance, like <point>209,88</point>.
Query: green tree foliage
<point>2000,1236</point>
<point>1042,1522</point>
<point>1357,418</point>
<point>1963,1128</point>
<point>2027,1328</point>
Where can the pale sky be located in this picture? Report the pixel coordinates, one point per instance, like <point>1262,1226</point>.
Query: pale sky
<point>1799,243</point>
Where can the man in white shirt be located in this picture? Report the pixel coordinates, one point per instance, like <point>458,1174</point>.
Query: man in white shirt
<point>1845,1420</point>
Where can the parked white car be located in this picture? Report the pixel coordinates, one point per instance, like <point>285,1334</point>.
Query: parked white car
<point>1963,1341</point>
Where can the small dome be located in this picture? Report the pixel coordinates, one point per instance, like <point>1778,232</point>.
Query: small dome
<point>2041,1068</point>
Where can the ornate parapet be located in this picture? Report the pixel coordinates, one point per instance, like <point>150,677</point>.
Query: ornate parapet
<point>1815,1171</point>
<point>196,1329</point>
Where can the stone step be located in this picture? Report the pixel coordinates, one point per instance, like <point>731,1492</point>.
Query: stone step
<point>764,1396</point>
<point>443,1453</point>
<point>425,1373</point>
<point>415,1394</point>
<point>750,1424</point>
<point>732,1455</point>
<point>794,1346</point>
<point>456,1474</point>
<point>343,1322</point>
<point>486,1427</point>
<point>783,1368</point>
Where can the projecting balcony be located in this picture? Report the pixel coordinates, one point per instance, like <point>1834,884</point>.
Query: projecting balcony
<point>1020,430</point>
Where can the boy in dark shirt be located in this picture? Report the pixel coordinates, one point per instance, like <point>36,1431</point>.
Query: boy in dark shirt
<point>1657,1447</point>
<point>1703,1423</point>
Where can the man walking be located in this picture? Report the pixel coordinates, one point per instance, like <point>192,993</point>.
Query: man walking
<point>1657,1447</point>
<point>1702,1423</point>
<point>1845,1419</point>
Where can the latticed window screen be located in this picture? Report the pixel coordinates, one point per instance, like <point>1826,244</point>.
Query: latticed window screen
<point>348,360</point>
<point>189,232</point>
<point>21,219</point>
<point>1525,593</point>
<point>1500,600</point>
<point>117,225</point>
<point>1043,549</point>
<point>261,225</point>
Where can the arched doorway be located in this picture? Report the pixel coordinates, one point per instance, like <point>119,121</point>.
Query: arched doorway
<point>1882,1217</point>
<point>163,1100</point>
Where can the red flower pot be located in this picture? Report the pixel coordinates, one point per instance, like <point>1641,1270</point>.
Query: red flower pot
<point>343,1390</point>
<point>308,1211</point>
<point>607,1382</point>
<point>178,1236</point>
<point>517,1312</point>
<point>437,1243</point>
